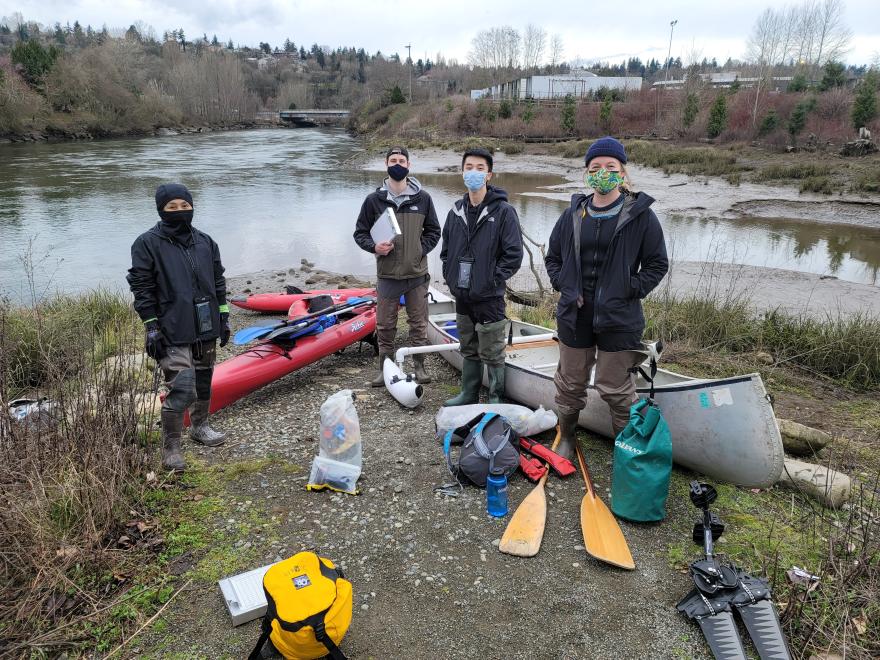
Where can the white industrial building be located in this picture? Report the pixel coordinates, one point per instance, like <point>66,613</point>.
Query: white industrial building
<point>576,83</point>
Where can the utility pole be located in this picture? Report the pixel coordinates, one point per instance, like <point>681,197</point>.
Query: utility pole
<point>666,75</point>
<point>409,58</point>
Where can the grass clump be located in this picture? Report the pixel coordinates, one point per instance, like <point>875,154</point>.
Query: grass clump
<point>687,160</point>
<point>817,184</point>
<point>793,171</point>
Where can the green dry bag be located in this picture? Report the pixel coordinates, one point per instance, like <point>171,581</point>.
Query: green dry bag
<point>642,465</point>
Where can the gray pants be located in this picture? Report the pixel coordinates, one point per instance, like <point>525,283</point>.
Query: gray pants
<point>188,376</point>
<point>482,341</point>
<point>614,381</point>
<point>416,314</point>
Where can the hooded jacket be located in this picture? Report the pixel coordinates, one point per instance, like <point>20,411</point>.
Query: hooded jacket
<point>420,230</point>
<point>634,264</point>
<point>494,242</point>
<point>168,275</point>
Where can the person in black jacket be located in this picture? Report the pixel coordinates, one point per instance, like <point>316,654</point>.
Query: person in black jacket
<point>605,254</point>
<point>401,264</point>
<point>179,290</point>
<point>482,249</point>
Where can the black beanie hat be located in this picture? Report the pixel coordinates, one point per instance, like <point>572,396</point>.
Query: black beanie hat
<point>168,191</point>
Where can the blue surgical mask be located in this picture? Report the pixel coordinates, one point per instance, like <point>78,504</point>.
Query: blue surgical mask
<point>474,179</point>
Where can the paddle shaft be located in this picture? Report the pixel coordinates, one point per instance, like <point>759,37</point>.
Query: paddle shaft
<point>260,330</point>
<point>587,480</point>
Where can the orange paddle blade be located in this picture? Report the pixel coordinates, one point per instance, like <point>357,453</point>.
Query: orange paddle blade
<point>603,537</point>
<point>525,530</point>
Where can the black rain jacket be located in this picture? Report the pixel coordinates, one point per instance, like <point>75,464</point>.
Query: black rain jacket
<point>167,276</point>
<point>634,264</point>
<point>495,243</point>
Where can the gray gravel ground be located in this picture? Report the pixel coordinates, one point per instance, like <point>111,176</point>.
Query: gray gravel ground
<point>429,581</point>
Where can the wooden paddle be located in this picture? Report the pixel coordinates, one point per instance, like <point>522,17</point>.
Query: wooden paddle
<point>603,538</point>
<point>525,530</point>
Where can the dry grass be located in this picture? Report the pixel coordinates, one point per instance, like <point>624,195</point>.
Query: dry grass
<point>67,485</point>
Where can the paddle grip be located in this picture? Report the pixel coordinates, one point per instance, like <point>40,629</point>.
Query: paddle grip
<point>561,466</point>
<point>532,468</point>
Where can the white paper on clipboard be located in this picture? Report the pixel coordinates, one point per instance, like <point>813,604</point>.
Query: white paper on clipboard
<point>385,228</point>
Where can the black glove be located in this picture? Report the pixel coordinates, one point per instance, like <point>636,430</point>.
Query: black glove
<point>154,343</point>
<point>225,331</point>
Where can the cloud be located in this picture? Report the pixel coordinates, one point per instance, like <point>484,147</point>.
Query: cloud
<point>638,28</point>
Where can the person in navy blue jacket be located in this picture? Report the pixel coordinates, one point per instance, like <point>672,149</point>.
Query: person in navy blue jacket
<point>482,249</point>
<point>606,253</point>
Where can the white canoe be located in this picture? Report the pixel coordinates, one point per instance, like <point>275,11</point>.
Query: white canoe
<point>724,428</point>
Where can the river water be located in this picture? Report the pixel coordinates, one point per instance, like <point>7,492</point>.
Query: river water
<point>271,197</point>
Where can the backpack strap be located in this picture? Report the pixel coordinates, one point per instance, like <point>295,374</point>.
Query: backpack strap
<point>480,443</point>
<point>649,379</point>
<point>460,432</point>
<point>256,654</point>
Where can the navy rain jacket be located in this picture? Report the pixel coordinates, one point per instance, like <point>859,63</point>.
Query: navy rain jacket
<point>634,264</point>
<point>495,243</point>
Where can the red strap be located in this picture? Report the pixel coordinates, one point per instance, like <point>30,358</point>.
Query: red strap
<point>561,466</point>
<point>532,468</point>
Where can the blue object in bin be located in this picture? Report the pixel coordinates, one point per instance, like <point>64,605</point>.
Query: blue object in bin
<point>451,328</point>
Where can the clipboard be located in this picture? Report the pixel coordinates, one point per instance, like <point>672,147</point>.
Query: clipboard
<point>385,228</point>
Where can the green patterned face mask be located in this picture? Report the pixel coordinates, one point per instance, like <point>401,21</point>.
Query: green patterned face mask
<point>603,181</point>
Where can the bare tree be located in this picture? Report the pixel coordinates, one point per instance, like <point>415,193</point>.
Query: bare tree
<point>832,35</point>
<point>495,48</point>
<point>534,41</point>
<point>765,49</point>
<point>556,50</point>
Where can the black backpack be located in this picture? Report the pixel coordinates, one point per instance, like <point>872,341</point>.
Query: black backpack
<point>486,446</point>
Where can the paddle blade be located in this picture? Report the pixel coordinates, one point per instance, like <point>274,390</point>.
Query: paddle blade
<point>603,538</point>
<point>525,530</point>
<point>247,335</point>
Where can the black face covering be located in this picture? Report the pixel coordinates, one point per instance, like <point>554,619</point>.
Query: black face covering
<point>398,172</point>
<point>177,225</point>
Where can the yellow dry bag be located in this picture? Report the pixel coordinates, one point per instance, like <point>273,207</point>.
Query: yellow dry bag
<point>308,608</point>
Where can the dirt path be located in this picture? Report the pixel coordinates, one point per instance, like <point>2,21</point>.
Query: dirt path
<point>428,579</point>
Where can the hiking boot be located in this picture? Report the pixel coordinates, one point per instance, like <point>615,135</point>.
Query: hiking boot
<point>496,383</point>
<point>200,431</point>
<point>422,377</point>
<point>379,380</point>
<point>172,427</point>
<point>471,379</point>
<point>567,432</point>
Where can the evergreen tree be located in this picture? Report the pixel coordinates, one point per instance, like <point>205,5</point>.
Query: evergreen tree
<point>35,60</point>
<point>798,83</point>
<point>865,104</point>
<point>361,74</point>
<point>181,38</point>
<point>717,117</point>
<point>568,115</point>
<point>230,45</point>
<point>60,37</point>
<point>769,123</point>
<point>798,119</point>
<point>215,41</point>
<point>78,35</point>
<point>691,109</point>
<point>319,58</point>
<point>606,110</point>
<point>302,53</point>
<point>132,34</point>
<point>396,96</point>
<point>833,75</point>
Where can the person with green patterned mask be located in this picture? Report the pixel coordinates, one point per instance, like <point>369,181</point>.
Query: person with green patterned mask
<point>605,254</point>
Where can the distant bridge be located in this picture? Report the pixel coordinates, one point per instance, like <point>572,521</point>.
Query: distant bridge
<point>307,118</point>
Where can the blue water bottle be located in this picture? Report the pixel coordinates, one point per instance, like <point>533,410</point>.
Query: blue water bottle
<point>496,495</point>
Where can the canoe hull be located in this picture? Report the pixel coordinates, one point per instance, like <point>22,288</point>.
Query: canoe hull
<point>273,303</point>
<point>723,428</point>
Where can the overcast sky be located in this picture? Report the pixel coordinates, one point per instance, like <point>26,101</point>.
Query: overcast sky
<point>630,28</point>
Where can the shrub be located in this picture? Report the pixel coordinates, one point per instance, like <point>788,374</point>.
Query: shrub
<point>717,117</point>
<point>769,123</point>
<point>505,109</point>
<point>528,113</point>
<point>865,105</point>
<point>395,95</point>
<point>833,75</point>
<point>817,184</point>
<point>34,59</point>
<point>605,113</point>
<point>691,109</point>
<point>798,83</point>
<point>567,116</point>
<point>798,118</point>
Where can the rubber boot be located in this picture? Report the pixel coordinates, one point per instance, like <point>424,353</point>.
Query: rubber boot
<point>496,383</point>
<point>422,377</point>
<point>567,432</point>
<point>172,427</point>
<point>471,379</point>
<point>200,431</point>
<point>379,380</point>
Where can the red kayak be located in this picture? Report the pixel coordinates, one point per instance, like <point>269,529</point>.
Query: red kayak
<point>268,361</point>
<point>280,302</point>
